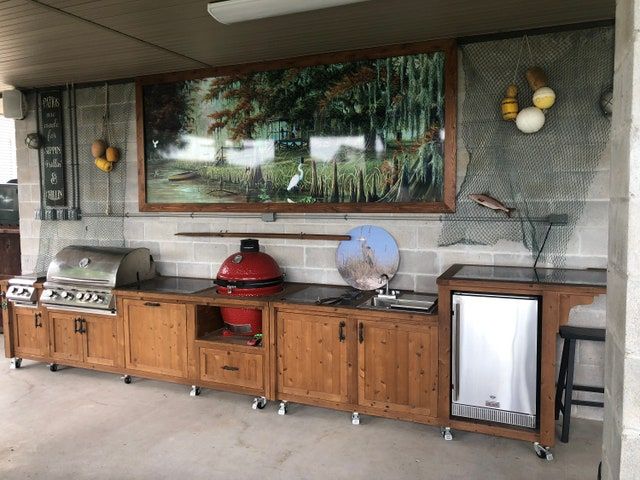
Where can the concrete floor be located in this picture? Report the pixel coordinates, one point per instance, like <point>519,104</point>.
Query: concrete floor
<point>77,424</point>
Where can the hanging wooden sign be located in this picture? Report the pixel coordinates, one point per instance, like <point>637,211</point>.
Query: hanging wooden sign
<point>53,187</point>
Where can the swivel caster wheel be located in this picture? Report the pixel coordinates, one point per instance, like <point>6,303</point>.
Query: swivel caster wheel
<point>283,409</point>
<point>259,403</point>
<point>446,433</point>
<point>543,452</point>
<point>355,418</point>
<point>15,363</point>
<point>126,379</point>
<point>195,391</point>
<point>53,367</point>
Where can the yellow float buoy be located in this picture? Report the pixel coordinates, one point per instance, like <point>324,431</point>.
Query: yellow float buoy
<point>509,104</point>
<point>544,98</point>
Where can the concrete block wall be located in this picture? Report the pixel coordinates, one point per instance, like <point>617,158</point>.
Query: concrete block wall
<point>621,436</point>
<point>422,260</point>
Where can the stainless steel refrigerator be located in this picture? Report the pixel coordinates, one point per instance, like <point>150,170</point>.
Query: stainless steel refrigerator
<point>495,358</point>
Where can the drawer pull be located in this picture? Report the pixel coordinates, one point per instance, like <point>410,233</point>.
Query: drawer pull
<point>230,368</point>
<point>151,304</point>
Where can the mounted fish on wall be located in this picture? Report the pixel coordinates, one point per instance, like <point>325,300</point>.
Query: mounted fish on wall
<point>351,131</point>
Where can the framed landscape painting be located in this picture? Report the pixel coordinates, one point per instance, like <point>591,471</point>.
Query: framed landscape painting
<point>362,131</point>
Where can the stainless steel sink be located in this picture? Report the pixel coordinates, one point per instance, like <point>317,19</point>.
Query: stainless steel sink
<point>411,302</point>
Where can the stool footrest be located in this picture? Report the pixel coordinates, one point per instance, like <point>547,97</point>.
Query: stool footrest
<point>588,388</point>
<point>587,403</point>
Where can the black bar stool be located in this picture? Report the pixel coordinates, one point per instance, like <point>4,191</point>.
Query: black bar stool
<point>565,377</point>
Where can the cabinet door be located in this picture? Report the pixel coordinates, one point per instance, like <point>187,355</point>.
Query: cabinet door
<point>156,337</point>
<point>312,356</point>
<point>100,339</point>
<point>30,332</point>
<point>398,366</point>
<point>64,338</point>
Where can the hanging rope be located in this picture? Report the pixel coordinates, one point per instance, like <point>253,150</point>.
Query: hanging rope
<point>106,136</point>
<point>515,72</point>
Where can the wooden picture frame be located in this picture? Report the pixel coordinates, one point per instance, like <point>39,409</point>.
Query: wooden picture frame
<point>446,203</point>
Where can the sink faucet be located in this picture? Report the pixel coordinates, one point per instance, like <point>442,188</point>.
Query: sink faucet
<point>384,279</point>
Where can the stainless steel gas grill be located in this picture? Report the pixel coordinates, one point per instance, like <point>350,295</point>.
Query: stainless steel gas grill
<point>84,277</point>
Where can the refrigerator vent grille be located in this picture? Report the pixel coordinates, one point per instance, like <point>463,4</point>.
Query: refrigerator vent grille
<point>493,415</point>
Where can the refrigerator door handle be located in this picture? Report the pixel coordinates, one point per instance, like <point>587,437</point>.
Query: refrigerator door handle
<point>455,357</point>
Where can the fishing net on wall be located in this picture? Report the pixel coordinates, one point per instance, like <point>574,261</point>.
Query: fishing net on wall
<point>101,196</point>
<point>539,174</point>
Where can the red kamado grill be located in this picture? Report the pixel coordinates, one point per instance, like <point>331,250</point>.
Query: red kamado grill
<point>247,273</point>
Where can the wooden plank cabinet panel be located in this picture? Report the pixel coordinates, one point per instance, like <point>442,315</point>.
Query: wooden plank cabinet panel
<point>100,339</point>
<point>398,367</point>
<point>65,342</point>
<point>232,368</point>
<point>30,332</point>
<point>312,360</point>
<point>156,337</point>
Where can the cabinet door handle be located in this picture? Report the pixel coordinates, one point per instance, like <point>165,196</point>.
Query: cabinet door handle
<point>361,332</point>
<point>83,325</point>
<point>341,336</point>
<point>151,304</point>
<point>37,317</point>
<point>76,327</point>
<point>230,368</point>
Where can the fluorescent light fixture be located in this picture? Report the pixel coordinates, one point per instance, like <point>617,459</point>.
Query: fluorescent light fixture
<point>234,11</point>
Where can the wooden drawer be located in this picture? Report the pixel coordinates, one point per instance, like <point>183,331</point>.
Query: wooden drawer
<point>232,368</point>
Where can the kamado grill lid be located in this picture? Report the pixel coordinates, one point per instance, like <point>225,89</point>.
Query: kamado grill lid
<point>249,268</point>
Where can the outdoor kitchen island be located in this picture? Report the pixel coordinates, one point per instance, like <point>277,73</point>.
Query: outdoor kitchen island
<point>344,352</point>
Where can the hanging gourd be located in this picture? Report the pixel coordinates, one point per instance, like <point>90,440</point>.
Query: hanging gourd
<point>509,103</point>
<point>104,164</point>
<point>98,148</point>
<point>112,154</point>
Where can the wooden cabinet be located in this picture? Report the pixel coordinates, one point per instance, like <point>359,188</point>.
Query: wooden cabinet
<point>65,337</point>
<point>87,338</point>
<point>312,357</point>
<point>29,332</point>
<point>229,367</point>
<point>398,367</point>
<point>379,364</point>
<point>156,339</point>
<point>100,340</point>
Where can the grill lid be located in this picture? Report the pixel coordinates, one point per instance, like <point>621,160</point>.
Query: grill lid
<point>106,267</point>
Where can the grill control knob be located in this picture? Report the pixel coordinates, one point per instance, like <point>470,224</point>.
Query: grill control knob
<point>95,298</point>
<point>63,294</point>
<point>79,295</point>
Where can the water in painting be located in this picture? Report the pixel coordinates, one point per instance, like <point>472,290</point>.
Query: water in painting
<point>359,132</point>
